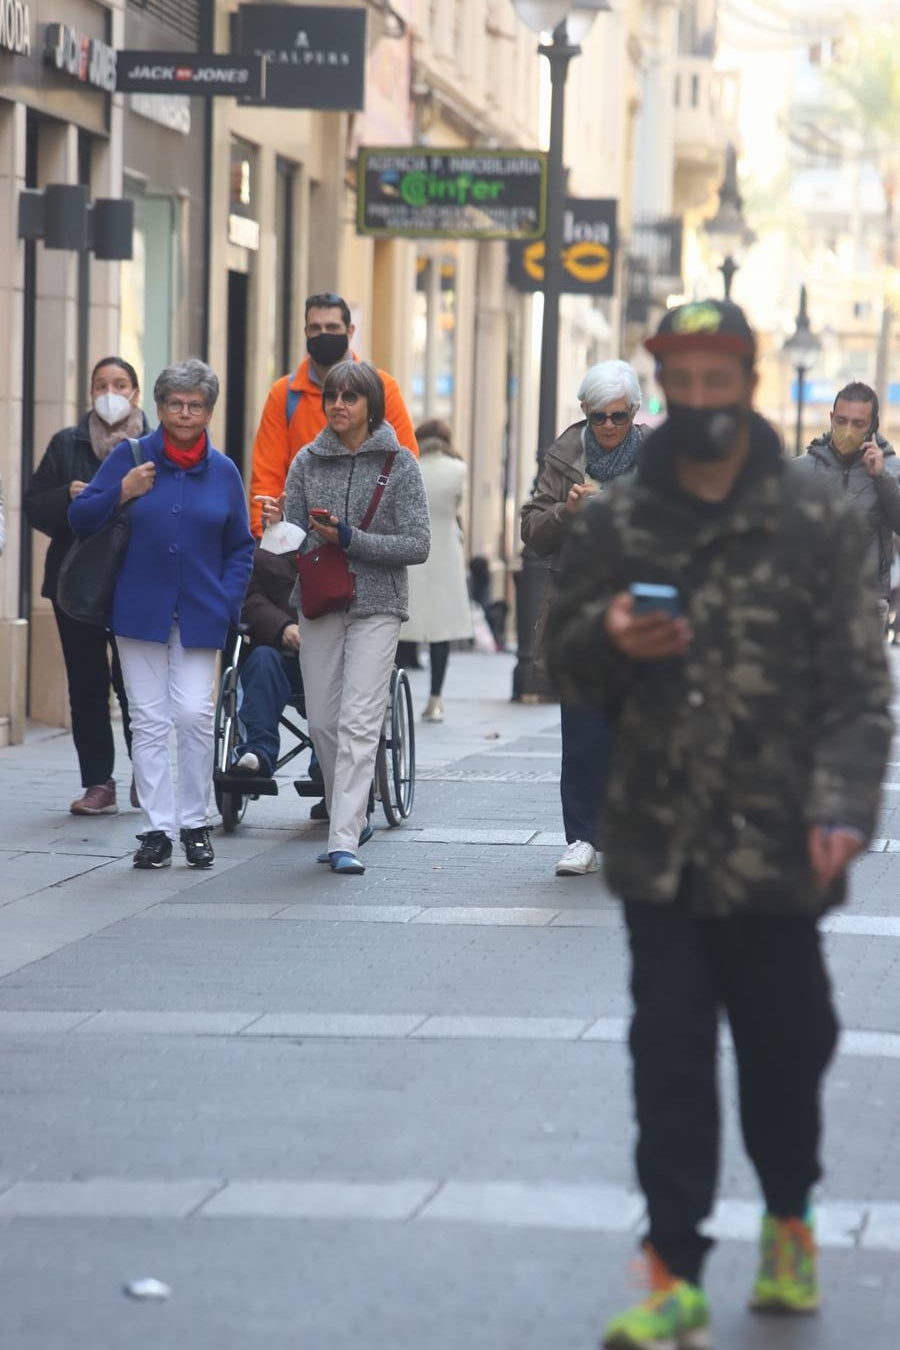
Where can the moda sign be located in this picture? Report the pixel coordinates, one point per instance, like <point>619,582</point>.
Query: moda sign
<point>15,27</point>
<point>588,254</point>
<point>86,59</point>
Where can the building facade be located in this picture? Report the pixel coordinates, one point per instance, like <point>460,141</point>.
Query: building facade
<point>242,209</point>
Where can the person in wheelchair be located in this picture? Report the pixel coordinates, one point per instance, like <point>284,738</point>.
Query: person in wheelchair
<point>270,674</point>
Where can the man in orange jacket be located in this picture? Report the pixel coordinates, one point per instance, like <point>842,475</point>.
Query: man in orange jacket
<point>293,413</point>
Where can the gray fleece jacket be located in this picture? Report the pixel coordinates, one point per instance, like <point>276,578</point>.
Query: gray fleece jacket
<point>877,500</point>
<point>327,474</point>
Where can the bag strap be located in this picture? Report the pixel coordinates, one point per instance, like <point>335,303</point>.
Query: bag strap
<point>380,484</point>
<point>135,451</point>
<point>290,403</point>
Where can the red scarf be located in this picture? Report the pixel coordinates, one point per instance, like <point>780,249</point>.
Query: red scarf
<point>185,459</point>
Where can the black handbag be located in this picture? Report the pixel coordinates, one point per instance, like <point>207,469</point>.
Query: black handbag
<point>87,576</point>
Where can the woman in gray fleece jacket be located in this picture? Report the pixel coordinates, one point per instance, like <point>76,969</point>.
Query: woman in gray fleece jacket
<point>346,657</point>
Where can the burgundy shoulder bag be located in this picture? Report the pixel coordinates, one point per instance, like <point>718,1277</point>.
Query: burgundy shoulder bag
<point>326,582</point>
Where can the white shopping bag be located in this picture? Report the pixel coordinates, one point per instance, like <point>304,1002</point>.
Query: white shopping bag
<point>282,537</point>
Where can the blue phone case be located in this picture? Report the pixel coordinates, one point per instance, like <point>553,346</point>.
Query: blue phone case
<point>655,599</point>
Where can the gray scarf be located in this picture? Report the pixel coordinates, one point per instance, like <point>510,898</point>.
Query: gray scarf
<point>604,465</point>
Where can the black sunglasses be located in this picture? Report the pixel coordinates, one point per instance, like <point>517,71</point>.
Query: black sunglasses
<point>599,419</point>
<point>347,396</point>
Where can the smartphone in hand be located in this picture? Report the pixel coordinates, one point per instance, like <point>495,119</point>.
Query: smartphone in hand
<point>655,599</point>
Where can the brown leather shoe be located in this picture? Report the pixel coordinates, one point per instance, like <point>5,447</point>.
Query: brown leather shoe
<point>99,800</point>
<point>133,795</point>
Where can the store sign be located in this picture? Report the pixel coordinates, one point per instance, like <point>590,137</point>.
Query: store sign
<point>451,194</point>
<point>243,231</point>
<point>199,74</point>
<point>316,57</point>
<point>86,59</point>
<point>172,111</point>
<point>15,27</point>
<point>588,252</point>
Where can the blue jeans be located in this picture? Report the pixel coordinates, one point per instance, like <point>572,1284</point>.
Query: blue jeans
<point>269,679</point>
<point>587,745</point>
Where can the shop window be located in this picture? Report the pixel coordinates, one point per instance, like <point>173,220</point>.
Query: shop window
<point>434,337</point>
<point>147,289</point>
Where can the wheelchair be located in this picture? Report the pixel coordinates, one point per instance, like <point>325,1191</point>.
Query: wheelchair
<point>394,783</point>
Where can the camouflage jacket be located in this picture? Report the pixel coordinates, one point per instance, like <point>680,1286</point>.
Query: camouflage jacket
<point>778,715</point>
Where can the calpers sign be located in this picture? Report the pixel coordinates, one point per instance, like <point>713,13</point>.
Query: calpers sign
<point>588,252</point>
<point>452,194</point>
<point>315,57</point>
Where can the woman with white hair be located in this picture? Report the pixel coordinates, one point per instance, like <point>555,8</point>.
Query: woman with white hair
<point>587,457</point>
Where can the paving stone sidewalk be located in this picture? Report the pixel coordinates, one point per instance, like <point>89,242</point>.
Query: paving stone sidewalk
<point>380,1112</point>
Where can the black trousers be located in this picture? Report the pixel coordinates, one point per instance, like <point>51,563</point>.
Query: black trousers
<point>768,974</point>
<point>92,666</point>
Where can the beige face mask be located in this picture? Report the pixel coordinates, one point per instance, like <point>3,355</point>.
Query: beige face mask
<point>847,440</point>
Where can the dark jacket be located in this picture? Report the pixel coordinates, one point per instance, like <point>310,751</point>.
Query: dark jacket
<point>189,550</point>
<point>778,715</point>
<point>545,518</point>
<point>267,608</point>
<point>877,500</point>
<point>68,458</point>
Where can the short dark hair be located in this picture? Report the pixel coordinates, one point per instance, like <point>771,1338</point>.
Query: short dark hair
<point>328,300</point>
<point>359,378</point>
<point>857,392</point>
<point>121,364</point>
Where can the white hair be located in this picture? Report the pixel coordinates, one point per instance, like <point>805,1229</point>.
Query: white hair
<point>606,382</point>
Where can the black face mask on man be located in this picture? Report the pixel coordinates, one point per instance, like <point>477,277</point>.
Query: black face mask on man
<point>705,433</point>
<point>328,348</point>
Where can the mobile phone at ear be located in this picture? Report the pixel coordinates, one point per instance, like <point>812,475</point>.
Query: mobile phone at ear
<point>655,599</point>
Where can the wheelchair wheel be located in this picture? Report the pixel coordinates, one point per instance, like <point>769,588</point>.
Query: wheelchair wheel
<point>395,765</point>
<point>232,805</point>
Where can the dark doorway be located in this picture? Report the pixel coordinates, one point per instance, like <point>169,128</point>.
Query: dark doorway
<point>236,373</point>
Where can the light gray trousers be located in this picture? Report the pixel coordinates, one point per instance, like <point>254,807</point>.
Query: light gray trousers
<point>346,664</point>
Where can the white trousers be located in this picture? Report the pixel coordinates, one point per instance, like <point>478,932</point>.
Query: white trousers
<point>170,686</point>
<point>346,664</point>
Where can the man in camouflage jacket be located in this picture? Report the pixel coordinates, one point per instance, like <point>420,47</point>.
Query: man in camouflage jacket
<point>751,737</point>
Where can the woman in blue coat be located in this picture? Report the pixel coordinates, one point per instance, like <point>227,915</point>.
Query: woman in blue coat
<point>181,583</point>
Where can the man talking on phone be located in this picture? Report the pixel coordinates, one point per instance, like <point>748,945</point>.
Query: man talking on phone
<point>750,706</point>
<point>858,463</point>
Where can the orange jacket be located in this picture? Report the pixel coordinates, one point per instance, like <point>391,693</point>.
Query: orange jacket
<point>277,442</point>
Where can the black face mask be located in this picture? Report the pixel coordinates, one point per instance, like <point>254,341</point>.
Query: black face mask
<point>326,349</point>
<point>705,433</point>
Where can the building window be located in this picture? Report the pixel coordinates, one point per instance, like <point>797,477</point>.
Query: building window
<point>180,16</point>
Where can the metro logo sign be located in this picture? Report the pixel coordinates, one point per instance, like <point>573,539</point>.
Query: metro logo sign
<point>198,74</point>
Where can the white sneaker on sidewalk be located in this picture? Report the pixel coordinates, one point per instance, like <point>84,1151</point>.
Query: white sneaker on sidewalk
<point>578,859</point>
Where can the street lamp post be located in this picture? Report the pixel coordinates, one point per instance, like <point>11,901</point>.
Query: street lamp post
<point>801,349</point>
<point>728,229</point>
<point>567,21</point>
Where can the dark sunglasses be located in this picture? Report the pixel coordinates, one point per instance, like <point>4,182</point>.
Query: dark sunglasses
<point>599,419</point>
<point>347,396</point>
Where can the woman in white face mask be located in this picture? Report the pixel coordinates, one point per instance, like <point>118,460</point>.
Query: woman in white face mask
<point>92,664</point>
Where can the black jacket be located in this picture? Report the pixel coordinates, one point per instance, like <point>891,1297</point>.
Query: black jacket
<point>69,457</point>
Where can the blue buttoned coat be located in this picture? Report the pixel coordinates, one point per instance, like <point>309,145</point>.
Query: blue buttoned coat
<point>190,551</point>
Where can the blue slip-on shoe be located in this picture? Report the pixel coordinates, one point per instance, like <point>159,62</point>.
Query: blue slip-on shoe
<point>346,863</point>
<point>368,831</point>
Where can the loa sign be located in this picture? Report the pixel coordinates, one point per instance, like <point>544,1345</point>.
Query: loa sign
<point>451,194</point>
<point>199,74</point>
<point>588,251</point>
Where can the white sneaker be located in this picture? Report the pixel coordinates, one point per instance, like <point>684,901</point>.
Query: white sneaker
<point>248,763</point>
<point>578,859</point>
<point>434,710</point>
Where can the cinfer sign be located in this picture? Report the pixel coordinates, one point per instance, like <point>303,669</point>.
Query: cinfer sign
<point>200,74</point>
<point>15,27</point>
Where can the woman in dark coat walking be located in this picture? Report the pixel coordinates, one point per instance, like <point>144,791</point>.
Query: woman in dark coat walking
<point>92,662</point>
